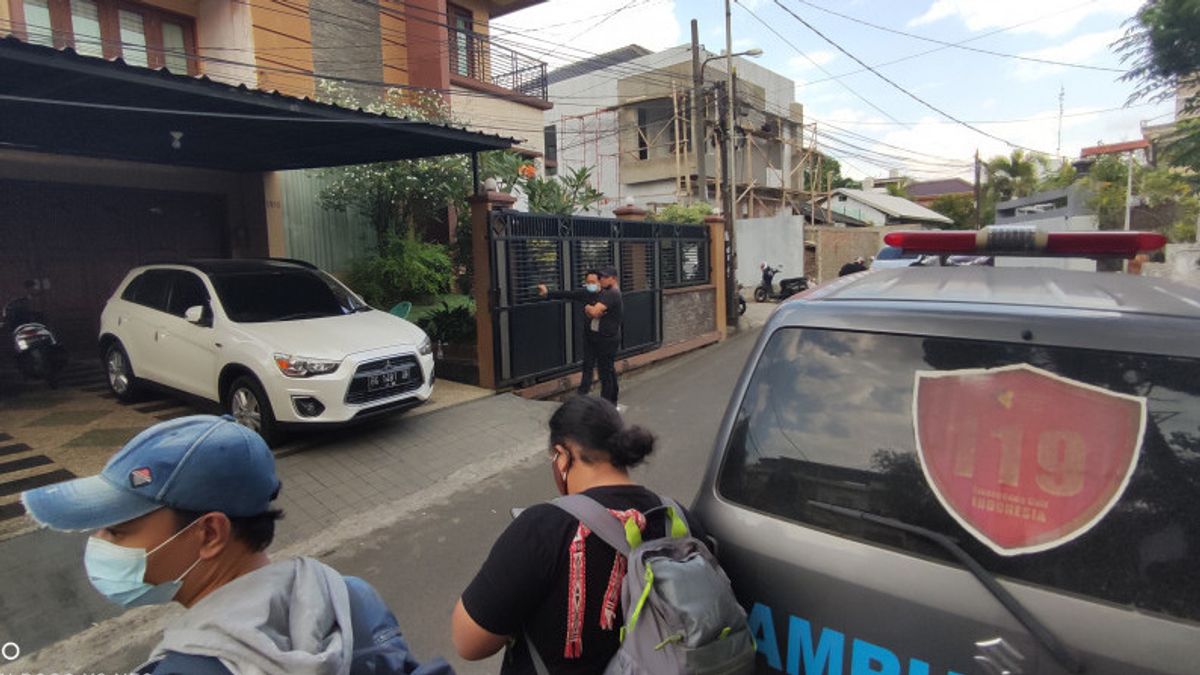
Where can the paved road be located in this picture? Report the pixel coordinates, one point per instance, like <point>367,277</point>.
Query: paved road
<point>424,548</point>
<point>421,565</point>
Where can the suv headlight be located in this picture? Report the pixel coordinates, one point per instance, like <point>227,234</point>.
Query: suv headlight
<point>299,366</point>
<point>426,347</point>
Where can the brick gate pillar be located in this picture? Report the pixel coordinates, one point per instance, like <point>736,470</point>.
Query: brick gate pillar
<point>482,285</point>
<point>716,257</point>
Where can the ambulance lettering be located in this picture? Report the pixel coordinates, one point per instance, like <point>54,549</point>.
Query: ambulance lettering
<point>825,654</point>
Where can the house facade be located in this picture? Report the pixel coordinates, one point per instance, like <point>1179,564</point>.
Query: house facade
<point>174,129</point>
<point>927,192</point>
<point>878,209</point>
<point>627,116</point>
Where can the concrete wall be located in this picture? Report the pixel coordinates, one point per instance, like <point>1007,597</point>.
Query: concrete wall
<point>688,313</point>
<point>592,133</point>
<point>836,246</point>
<point>1182,265</point>
<point>778,240</point>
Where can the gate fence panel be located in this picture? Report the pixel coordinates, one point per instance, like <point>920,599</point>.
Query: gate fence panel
<point>537,339</point>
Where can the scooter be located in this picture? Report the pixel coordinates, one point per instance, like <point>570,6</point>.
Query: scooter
<point>741,302</point>
<point>38,354</point>
<point>787,287</point>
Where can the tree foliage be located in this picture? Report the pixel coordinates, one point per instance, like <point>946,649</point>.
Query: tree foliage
<point>1172,203</point>
<point>1162,47</point>
<point>565,194</point>
<point>405,196</point>
<point>957,207</point>
<point>405,269</point>
<point>1015,175</point>
<point>899,188</point>
<point>681,213</point>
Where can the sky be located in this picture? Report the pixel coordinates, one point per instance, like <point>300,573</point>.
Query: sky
<point>871,126</point>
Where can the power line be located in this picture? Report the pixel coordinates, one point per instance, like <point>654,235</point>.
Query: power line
<point>962,42</point>
<point>1046,118</point>
<point>958,45</point>
<point>899,88</point>
<point>810,60</point>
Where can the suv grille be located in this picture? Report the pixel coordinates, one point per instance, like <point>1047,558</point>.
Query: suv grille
<point>385,378</point>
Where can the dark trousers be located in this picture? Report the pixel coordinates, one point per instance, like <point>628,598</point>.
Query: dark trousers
<point>600,353</point>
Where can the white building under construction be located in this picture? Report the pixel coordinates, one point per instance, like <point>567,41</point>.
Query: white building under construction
<point>626,115</point>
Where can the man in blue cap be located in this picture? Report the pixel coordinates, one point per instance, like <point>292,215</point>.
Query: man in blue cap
<point>183,512</point>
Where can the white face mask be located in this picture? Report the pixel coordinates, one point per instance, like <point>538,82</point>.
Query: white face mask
<point>118,573</point>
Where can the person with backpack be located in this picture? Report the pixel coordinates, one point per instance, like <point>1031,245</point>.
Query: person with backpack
<point>566,585</point>
<point>183,513</point>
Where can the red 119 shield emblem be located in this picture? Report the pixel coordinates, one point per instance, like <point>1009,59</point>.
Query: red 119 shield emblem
<point>1025,460</point>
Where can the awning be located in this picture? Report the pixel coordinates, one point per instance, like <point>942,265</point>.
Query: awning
<point>57,101</point>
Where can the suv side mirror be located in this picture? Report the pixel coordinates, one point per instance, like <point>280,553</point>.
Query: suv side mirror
<point>197,314</point>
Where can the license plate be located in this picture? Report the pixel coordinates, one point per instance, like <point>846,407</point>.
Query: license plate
<point>383,381</point>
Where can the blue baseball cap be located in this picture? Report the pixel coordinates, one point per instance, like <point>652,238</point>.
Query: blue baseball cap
<point>198,463</point>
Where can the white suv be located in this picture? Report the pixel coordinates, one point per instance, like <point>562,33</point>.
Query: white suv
<point>277,343</point>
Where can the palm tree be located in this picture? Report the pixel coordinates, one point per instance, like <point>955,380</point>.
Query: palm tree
<point>1013,176</point>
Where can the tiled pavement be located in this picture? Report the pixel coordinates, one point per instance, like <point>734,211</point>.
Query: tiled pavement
<point>51,435</point>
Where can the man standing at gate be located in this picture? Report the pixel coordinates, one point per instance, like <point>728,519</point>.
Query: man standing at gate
<point>605,317</point>
<point>586,296</point>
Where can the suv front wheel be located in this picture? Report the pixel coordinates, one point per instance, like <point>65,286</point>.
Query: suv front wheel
<point>248,404</point>
<point>119,370</point>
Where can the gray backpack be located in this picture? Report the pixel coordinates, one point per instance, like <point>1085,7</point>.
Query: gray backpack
<point>680,612</point>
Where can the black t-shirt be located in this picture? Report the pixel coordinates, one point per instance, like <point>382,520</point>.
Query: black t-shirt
<point>609,325</point>
<point>523,585</point>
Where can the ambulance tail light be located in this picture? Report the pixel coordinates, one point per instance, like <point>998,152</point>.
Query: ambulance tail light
<point>1027,242</point>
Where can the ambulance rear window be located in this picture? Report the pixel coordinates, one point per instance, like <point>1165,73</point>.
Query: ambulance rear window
<point>1071,469</point>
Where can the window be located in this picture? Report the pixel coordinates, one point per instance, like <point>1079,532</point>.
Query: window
<point>133,38</point>
<point>462,47</point>
<point>150,290</point>
<point>550,136</point>
<point>37,22</point>
<point>85,24</point>
<point>141,35</point>
<point>174,47</point>
<point>655,129</point>
<point>283,296</point>
<point>187,291</point>
<point>828,417</point>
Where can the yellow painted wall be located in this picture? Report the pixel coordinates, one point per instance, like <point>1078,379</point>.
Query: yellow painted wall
<point>281,32</point>
<point>5,19</point>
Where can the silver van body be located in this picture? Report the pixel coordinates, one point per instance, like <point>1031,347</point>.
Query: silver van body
<point>818,469</point>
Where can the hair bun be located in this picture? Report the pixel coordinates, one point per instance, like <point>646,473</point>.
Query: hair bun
<point>630,446</point>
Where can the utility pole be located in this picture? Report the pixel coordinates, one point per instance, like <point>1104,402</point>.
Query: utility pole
<point>978,194</point>
<point>731,314</point>
<point>1129,191</point>
<point>1062,95</point>
<point>816,178</point>
<point>724,142</point>
<point>699,141</point>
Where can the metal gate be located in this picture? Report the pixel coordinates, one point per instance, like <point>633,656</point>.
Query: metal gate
<point>537,339</point>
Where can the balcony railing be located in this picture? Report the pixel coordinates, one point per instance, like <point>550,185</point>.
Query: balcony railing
<point>475,56</point>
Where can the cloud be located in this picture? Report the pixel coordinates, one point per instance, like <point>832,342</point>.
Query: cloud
<point>1088,48</point>
<point>818,58</point>
<point>604,25</point>
<point>1059,17</point>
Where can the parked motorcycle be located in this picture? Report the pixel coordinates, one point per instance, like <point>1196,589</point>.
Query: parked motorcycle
<point>36,349</point>
<point>787,287</point>
<point>741,302</point>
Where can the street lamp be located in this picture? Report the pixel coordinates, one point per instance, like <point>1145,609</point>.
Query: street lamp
<point>752,53</point>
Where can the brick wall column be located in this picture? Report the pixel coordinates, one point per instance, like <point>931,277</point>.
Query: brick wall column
<point>481,287</point>
<point>716,257</point>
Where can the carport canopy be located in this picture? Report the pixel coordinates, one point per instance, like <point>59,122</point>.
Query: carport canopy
<point>60,102</point>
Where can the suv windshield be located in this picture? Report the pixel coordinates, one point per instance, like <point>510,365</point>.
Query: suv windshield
<point>283,295</point>
<point>829,417</point>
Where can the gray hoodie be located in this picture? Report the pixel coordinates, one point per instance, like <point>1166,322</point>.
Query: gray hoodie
<point>291,616</point>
